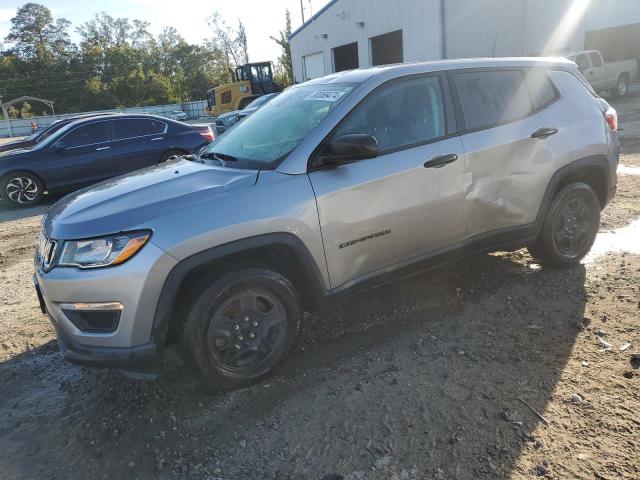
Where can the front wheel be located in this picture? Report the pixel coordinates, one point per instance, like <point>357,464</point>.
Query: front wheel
<point>569,228</point>
<point>241,327</point>
<point>622,87</point>
<point>21,189</point>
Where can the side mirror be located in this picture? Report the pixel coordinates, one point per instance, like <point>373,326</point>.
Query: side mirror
<point>59,147</point>
<point>349,148</point>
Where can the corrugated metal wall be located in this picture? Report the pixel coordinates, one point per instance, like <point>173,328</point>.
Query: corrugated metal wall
<point>477,28</point>
<point>420,21</point>
<point>603,14</point>
<point>483,28</point>
<point>474,28</point>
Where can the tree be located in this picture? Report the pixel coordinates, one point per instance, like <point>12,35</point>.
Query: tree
<point>284,60</point>
<point>117,62</point>
<point>232,42</point>
<point>36,36</point>
<point>12,112</point>
<point>25,110</point>
<point>242,42</point>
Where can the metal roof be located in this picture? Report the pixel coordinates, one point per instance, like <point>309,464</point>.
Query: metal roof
<point>313,17</point>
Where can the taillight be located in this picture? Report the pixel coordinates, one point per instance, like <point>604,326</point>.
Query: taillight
<point>208,134</point>
<point>611,115</point>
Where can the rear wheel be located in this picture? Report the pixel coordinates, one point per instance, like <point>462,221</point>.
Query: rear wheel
<point>569,228</point>
<point>21,189</point>
<point>241,327</point>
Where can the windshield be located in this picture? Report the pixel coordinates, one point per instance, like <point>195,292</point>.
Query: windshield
<point>267,136</point>
<point>53,134</point>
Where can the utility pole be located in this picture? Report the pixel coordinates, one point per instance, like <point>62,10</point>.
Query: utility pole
<point>302,10</point>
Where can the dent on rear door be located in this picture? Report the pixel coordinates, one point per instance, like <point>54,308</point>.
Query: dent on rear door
<point>509,172</point>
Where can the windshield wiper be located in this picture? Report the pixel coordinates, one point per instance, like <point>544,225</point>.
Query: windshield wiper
<point>218,156</point>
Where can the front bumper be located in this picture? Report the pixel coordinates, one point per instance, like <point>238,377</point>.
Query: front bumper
<point>143,359</point>
<point>135,285</point>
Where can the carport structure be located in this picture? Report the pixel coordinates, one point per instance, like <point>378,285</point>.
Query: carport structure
<point>6,105</point>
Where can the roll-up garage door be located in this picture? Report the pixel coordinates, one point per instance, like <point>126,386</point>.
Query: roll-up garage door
<point>313,66</point>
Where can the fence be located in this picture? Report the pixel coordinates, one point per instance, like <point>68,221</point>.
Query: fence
<point>22,126</point>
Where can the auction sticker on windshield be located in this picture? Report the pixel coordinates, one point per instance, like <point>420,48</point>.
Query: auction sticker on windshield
<point>326,95</point>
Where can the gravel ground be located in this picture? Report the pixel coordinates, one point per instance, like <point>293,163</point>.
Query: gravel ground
<point>488,368</point>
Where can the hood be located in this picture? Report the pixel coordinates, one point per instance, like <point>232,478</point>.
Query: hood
<point>12,153</point>
<point>133,201</point>
<point>13,145</point>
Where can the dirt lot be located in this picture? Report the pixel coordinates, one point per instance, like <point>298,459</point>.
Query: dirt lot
<point>433,377</point>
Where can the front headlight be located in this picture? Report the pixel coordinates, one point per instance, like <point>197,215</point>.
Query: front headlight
<point>103,251</point>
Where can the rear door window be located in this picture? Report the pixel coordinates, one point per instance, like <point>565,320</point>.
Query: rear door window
<point>596,61</point>
<point>136,127</point>
<point>540,88</point>
<point>583,62</point>
<point>92,133</point>
<point>405,113</point>
<point>490,98</point>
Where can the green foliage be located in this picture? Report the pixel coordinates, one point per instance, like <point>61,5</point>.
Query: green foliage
<point>117,63</point>
<point>284,68</point>
<point>25,110</point>
<point>12,112</point>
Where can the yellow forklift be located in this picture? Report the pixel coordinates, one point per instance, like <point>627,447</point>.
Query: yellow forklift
<point>250,81</point>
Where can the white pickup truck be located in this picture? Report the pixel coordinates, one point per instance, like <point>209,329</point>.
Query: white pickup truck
<point>612,76</point>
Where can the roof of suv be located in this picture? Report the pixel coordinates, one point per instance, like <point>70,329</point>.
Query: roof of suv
<point>362,74</point>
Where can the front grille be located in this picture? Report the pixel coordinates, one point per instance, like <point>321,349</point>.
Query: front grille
<point>46,252</point>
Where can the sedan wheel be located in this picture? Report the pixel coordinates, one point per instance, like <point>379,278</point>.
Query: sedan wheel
<point>22,190</point>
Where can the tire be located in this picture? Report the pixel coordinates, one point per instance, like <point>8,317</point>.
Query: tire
<point>241,327</point>
<point>622,87</point>
<point>170,153</point>
<point>21,189</point>
<point>569,227</point>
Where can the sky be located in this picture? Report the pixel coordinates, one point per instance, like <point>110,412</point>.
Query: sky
<point>262,18</point>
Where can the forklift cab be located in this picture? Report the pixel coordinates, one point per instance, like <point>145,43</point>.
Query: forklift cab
<point>250,81</point>
<point>260,75</point>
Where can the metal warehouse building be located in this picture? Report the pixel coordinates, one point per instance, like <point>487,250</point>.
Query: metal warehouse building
<point>348,34</point>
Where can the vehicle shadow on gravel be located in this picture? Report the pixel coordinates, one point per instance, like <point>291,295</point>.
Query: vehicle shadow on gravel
<point>8,214</point>
<point>422,378</point>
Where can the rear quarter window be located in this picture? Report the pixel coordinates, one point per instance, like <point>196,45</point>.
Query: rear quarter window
<point>540,88</point>
<point>490,98</point>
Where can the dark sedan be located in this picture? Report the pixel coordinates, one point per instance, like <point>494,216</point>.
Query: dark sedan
<point>40,135</point>
<point>93,149</point>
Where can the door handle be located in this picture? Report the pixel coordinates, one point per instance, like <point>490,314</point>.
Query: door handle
<point>102,148</point>
<point>156,139</point>
<point>440,160</point>
<point>544,132</point>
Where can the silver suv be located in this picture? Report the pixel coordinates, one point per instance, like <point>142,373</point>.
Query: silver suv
<point>336,184</point>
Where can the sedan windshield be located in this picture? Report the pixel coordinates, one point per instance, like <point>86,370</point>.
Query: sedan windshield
<point>273,131</point>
